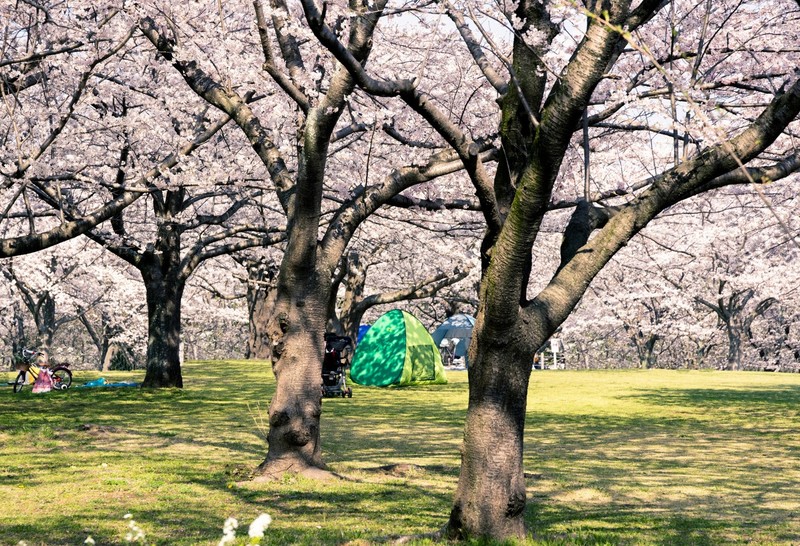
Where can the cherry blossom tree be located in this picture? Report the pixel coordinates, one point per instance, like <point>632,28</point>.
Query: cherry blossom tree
<point>69,158</point>
<point>581,122</point>
<point>745,272</point>
<point>211,221</point>
<point>651,73</point>
<point>699,278</point>
<point>336,125</point>
<point>72,296</point>
<point>40,303</point>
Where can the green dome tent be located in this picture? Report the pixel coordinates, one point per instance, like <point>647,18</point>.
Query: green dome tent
<point>397,350</point>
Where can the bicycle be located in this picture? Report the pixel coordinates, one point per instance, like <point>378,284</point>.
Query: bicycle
<point>29,372</point>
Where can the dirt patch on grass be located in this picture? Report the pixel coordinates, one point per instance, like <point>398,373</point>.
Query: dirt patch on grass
<point>401,469</point>
<point>97,430</point>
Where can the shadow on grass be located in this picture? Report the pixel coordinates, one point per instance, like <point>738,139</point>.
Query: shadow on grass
<point>683,466</point>
<point>752,399</point>
<point>621,526</point>
<point>692,466</point>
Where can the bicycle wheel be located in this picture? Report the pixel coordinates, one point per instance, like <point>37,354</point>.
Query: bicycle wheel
<point>19,382</point>
<point>62,377</point>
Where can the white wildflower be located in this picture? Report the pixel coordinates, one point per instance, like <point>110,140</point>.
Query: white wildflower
<point>229,531</point>
<point>135,533</point>
<point>258,526</point>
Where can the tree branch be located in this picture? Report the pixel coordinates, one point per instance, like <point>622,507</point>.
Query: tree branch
<point>269,61</point>
<point>500,85</point>
<point>423,289</point>
<point>232,104</point>
<point>15,246</point>
<point>466,148</point>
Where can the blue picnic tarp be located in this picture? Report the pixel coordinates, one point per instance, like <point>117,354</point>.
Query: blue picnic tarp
<point>101,382</point>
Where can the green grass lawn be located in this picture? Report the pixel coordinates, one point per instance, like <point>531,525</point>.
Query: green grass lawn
<point>612,457</point>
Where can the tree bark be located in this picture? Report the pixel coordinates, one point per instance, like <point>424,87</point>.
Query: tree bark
<point>734,348</point>
<point>18,340</point>
<point>164,277</point>
<point>164,295</point>
<point>490,498</point>
<point>296,330</point>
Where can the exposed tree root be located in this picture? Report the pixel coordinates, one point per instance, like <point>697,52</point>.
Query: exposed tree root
<point>277,468</point>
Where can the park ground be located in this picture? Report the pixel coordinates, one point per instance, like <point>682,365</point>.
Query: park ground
<point>639,457</point>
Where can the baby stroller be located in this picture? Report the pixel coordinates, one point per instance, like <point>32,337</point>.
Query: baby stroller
<point>337,358</point>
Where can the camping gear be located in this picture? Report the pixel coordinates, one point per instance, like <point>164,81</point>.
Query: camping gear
<point>337,353</point>
<point>397,350</point>
<point>458,327</point>
<point>362,331</point>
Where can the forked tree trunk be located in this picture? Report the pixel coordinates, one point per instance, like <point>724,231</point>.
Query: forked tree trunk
<point>646,351</point>
<point>163,331</point>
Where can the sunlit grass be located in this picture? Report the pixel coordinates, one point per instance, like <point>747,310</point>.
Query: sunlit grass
<point>614,457</point>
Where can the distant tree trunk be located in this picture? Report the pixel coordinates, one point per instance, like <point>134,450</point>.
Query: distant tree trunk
<point>261,279</point>
<point>120,354</point>
<point>108,356</point>
<point>18,340</point>
<point>701,352</point>
<point>734,349</point>
<point>163,329</point>
<point>646,350</point>
<point>106,349</point>
<point>46,321</point>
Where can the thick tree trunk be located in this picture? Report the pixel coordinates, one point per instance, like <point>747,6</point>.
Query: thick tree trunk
<point>734,348</point>
<point>296,330</point>
<point>490,499</point>
<point>163,331</point>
